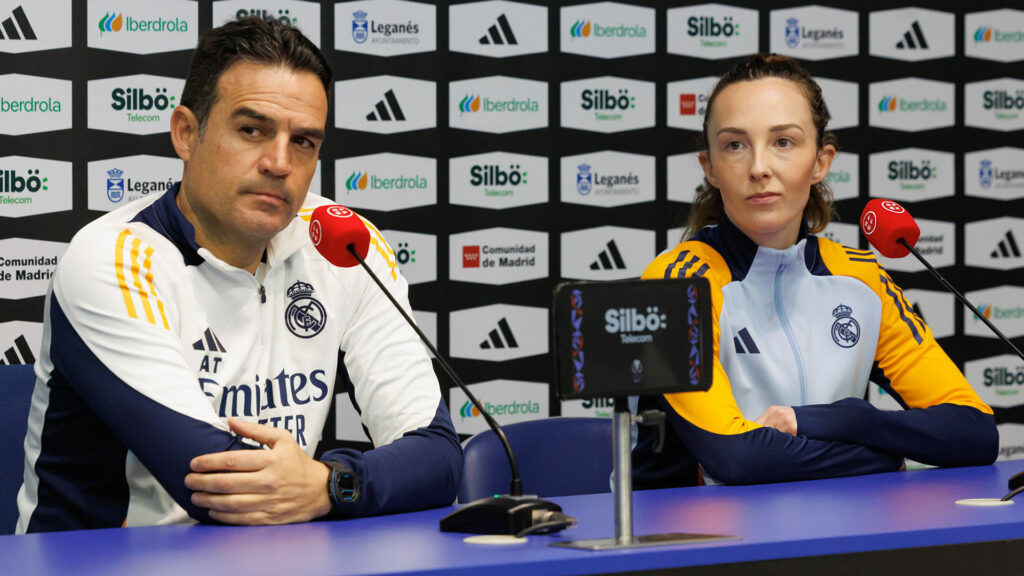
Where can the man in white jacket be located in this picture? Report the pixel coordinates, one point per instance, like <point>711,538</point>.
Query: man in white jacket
<point>185,332</point>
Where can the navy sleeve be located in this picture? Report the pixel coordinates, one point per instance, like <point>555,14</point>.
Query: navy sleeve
<point>940,435</point>
<point>164,440</point>
<point>764,454</point>
<point>422,469</point>
<point>767,455</point>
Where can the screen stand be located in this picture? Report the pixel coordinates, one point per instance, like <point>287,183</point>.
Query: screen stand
<point>623,474</point>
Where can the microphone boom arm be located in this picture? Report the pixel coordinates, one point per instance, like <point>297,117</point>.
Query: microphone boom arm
<point>516,485</point>
<point>961,297</point>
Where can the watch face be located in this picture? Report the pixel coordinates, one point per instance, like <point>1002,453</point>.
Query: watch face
<point>345,488</point>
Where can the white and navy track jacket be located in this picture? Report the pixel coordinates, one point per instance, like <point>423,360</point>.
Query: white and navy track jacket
<point>151,343</point>
<point>808,327</point>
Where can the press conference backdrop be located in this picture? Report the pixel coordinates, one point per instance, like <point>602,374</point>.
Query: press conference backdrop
<point>503,146</point>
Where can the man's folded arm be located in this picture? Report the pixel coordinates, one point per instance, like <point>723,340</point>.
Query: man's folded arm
<point>164,438</point>
<point>422,469</point>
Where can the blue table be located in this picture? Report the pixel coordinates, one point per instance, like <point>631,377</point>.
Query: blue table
<point>859,515</point>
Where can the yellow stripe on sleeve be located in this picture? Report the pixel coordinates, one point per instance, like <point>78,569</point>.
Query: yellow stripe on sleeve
<point>138,281</point>
<point>377,239</point>
<point>119,271</point>
<point>147,263</point>
<point>138,272</point>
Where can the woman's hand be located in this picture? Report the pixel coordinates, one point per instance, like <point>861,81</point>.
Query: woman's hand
<point>782,418</point>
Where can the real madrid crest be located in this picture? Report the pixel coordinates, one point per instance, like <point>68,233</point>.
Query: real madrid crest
<point>845,330</point>
<point>305,315</point>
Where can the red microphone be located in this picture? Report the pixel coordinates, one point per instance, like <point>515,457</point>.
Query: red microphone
<point>333,228</point>
<point>885,223</point>
<point>892,231</point>
<point>342,239</point>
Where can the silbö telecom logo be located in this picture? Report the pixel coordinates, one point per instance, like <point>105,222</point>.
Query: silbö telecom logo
<point>633,325</point>
<point>283,15</point>
<point>11,182</point>
<point>605,104</point>
<point>712,33</point>
<point>496,180</point>
<point>912,176</point>
<point>1006,106</point>
<point>137,103</point>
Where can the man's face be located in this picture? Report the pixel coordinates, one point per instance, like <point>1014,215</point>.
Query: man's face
<point>248,173</point>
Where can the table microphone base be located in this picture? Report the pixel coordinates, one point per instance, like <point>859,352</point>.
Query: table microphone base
<point>644,541</point>
<point>500,514</point>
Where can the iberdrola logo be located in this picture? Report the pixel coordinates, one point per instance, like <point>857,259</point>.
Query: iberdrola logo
<point>357,181</point>
<point>111,23</point>
<point>887,104</point>
<point>468,410</point>
<point>581,29</point>
<point>983,34</point>
<point>471,103</point>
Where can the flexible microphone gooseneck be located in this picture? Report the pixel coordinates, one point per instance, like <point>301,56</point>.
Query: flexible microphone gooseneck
<point>893,232</point>
<point>342,239</point>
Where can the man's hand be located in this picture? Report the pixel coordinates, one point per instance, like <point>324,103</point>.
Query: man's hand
<point>277,486</point>
<point>782,418</point>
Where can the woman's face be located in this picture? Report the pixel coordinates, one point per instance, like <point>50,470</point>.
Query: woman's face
<point>763,155</point>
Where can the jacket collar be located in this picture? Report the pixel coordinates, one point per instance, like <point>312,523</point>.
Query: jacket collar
<point>166,218</point>
<point>739,250</point>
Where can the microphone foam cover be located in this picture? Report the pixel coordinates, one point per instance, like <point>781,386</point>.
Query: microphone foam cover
<point>884,222</point>
<point>332,228</point>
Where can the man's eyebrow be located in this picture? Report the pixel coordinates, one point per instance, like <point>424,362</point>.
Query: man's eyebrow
<point>315,133</point>
<point>247,112</point>
<point>250,113</point>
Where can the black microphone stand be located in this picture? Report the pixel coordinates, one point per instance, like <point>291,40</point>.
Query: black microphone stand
<point>961,297</point>
<point>512,513</point>
<point>1016,483</point>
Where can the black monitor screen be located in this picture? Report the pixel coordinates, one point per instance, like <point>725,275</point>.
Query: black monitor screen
<point>632,337</point>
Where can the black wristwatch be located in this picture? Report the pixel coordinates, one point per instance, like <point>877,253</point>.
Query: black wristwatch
<point>342,485</point>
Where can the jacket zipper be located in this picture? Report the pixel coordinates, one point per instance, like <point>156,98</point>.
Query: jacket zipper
<point>784,320</point>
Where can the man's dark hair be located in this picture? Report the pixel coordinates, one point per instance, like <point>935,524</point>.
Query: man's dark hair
<point>250,39</point>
